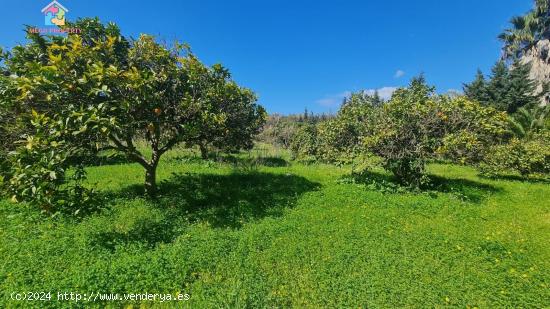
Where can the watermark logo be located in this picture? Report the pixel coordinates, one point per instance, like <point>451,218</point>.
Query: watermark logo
<point>54,14</point>
<point>54,19</point>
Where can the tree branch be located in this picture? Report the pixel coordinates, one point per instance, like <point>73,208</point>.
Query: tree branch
<point>130,150</point>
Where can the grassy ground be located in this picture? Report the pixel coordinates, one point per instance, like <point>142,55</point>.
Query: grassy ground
<point>276,235</point>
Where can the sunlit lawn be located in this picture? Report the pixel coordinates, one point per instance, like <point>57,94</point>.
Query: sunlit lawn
<point>236,234</point>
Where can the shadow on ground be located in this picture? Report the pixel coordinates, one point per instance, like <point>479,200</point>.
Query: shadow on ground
<point>518,178</point>
<point>222,201</point>
<point>465,189</point>
<point>230,200</point>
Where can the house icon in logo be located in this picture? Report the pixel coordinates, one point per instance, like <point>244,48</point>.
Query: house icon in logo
<point>54,14</point>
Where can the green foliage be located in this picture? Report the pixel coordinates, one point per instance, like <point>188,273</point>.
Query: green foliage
<point>279,130</point>
<point>416,125</point>
<point>402,133</point>
<point>230,119</point>
<point>527,121</point>
<point>304,145</point>
<point>98,90</point>
<point>527,30</point>
<point>529,157</point>
<point>477,89</point>
<point>338,140</point>
<point>466,130</point>
<point>38,169</point>
<point>353,122</point>
<point>10,128</point>
<point>498,85</point>
<point>521,89</point>
<point>507,89</point>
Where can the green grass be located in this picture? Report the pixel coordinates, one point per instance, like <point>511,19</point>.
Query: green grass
<point>248,235</point>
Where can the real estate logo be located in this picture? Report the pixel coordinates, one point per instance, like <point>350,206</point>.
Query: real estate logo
<point>54,19</point>
<point>54,14</point>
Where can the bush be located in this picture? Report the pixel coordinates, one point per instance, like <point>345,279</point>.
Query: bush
<point>402,135</point>
<point>304,145</point>
<point>416,125</point>
<point>467,129</point>
<point>338,139</point>
<point>341,138</point>
<point>528,157</point>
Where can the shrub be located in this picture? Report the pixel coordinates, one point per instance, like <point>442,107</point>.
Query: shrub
<point>341,138</point>
<point>466,130</point>
<point>402,135</point>
<point>279,130</point>
<point>416,125</point>
<point>338,139</point>
<point>304,146</point>
<point>528,157</point>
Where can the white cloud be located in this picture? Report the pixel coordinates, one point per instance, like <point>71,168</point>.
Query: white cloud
<point>399,74</point>
<point>333,100</point>
<point>384,92</point>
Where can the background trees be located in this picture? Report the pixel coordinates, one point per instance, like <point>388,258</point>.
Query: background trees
<point>507,89</point>
<point>528,41</point>
<point>97,91</point>
<point>231,118</point>
<point>415,126</point>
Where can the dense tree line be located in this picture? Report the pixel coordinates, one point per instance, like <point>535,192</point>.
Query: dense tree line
<point>416,125</point>
<point>506,89</point>
<point>279,129</point>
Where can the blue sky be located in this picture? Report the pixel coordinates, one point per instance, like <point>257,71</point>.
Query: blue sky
<point>298,54</point>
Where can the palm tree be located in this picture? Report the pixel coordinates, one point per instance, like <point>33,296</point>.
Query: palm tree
<point>527,121</point>
<point>527,30</point>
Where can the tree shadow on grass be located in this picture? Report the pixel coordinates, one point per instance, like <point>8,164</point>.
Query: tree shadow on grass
<point>464,189</point>
<point>519,178</point>
<point>145,231</point>
<point>230,200</point>
<point>222,201</point>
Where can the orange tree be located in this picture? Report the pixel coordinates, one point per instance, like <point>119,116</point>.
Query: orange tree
<point>98,90</point>
<point>417,125</point>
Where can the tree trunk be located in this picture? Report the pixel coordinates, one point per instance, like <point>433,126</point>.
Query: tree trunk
<point>204,151</point>
<point>151,174</point>
<point>151,180</point>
